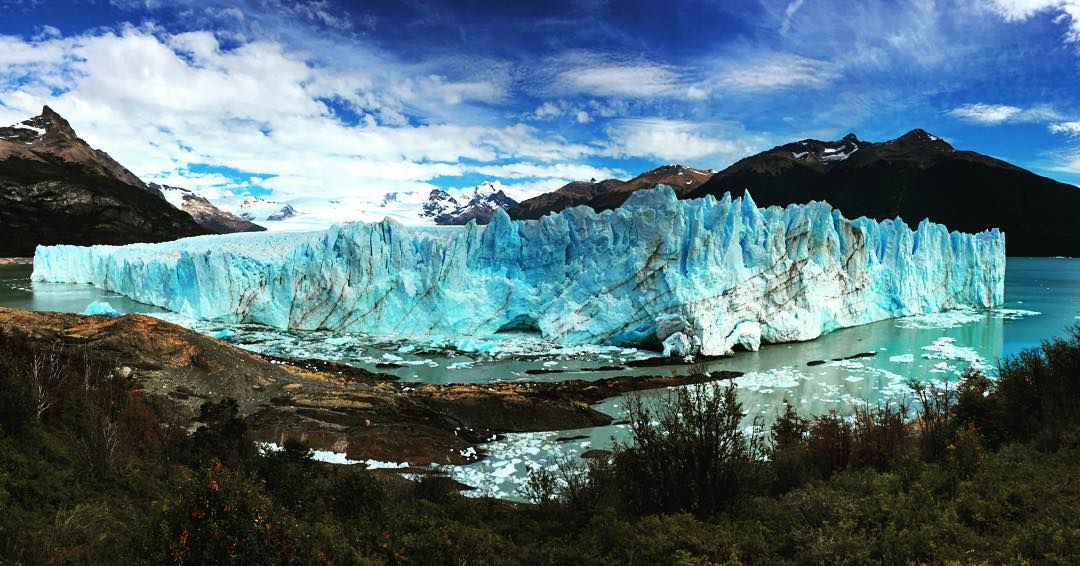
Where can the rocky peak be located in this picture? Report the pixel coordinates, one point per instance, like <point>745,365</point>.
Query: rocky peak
<point>919,136</point>
<point>48,136</point>
<point>285,213</point>
<point>485,200</point>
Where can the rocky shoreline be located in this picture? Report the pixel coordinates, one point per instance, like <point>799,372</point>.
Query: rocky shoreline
<point>328,406</point>
<point>16,260</point>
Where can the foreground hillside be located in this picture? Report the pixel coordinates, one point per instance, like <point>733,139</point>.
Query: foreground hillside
<point>95,469</point>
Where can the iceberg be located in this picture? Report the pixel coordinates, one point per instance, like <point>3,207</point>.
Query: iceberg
<point>683,276</point>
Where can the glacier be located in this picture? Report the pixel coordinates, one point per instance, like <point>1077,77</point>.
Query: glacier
<point>683,276</point>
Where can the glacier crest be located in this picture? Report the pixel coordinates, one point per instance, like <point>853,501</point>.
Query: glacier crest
<point>701,275</point>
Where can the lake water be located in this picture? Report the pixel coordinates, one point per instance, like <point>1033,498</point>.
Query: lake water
<point>1042,300</point>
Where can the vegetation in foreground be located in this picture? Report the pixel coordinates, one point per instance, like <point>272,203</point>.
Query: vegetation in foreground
<point>987,472</point>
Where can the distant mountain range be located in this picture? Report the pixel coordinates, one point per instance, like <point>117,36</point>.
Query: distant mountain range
<point>446,210</point>
<point>610,193</point>
<point>915,176</point>
<point>56,189</point>
<point>204,212</point>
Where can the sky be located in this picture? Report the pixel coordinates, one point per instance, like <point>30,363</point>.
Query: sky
<point>351,100</point>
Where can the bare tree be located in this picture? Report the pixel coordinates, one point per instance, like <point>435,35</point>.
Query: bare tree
<point>46,375</point>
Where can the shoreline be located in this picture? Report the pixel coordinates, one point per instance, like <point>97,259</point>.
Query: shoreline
<point>328,406</point>
<point>16,260</point>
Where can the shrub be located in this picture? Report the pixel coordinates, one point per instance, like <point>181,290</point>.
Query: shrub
<point>691,454</point>
<point>541,487</point>
<point>226,517</point>
<point>223,434</point>
<point>879,436</point>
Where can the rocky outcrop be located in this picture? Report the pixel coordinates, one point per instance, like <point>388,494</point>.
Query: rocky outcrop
<point>330,407</point>
<point>56,189</point>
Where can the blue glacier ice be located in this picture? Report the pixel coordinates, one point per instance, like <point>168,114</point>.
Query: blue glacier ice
<point>702,275</point>
<point>100,308</point>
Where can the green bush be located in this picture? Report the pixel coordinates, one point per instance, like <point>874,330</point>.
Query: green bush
<point>689,455</point>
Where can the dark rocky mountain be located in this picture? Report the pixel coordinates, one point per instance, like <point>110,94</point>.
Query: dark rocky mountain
<point>204,212</point>
<point>481,206</point>
<point>610,193</point>
<point>56,189</point>
<point>915,176</point>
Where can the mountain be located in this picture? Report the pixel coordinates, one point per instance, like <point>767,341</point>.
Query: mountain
<point>285,213</point>
<point>204,212</point>
<point>485,199</point>
<point>610,193</point>
<point>915,176</point>
<point>256,209</point>
<point>56,189</point>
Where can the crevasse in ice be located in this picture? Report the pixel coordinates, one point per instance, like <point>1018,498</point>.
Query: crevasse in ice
<point>688,276</point>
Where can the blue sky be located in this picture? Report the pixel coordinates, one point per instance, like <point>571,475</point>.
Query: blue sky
<point>350,100</point>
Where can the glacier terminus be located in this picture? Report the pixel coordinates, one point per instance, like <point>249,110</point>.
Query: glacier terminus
<point>682,276</point>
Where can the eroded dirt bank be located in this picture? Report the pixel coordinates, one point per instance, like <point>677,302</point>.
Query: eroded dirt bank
<point>328,406</point>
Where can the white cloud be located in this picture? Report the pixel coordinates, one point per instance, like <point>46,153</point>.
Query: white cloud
<point>1069,128</point>
<point>527,170</point>
<point>789,13</point>
<point>1067,162</point>
<point>775,71</point>
<point>1065,12</point>
<point>601,75</point>
<point>547,111</point>
<point>262,107</point>
<point>674,140</point>
<point>993,114</point>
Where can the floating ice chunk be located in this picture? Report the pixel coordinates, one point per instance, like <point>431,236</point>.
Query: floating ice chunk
<point>224,334</point>
<point>960,317</point>
<point>100,308</point>
<point>945,348</point>
<point>783,377</point>
<point>902,359</point>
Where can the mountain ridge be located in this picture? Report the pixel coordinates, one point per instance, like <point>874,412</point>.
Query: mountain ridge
<point>56,189</point>
<point>914,176</point>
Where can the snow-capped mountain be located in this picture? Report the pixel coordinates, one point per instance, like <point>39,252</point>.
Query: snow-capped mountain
<point>437,207</point>
<point>204,212</point>
<point>255,209</point>
<point>915,176</point>
<point>445,210</point>
<point>285,213</point>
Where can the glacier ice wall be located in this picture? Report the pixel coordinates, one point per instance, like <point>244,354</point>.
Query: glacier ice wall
<point>696,275</point>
